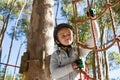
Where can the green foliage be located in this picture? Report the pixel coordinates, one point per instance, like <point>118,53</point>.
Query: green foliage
<point>84,30</point>
<point>89,59</point>
<point>112,1</point>
<point>116,14</point>
<point>104,22</point>
<point>9,16</point>
<point>23,23</point>
<point>115,57</point>
<point>21,29</point>
<point>17,7</point>
<point>99,5</point>
<point>67,9</point>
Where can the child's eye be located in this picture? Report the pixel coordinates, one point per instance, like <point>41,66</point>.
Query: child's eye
<point>63,36</point>
<point>68,34</point>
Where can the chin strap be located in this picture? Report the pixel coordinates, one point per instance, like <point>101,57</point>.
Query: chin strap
<point>66,48</point>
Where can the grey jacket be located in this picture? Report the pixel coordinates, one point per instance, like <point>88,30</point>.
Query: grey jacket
<point>60,63</point>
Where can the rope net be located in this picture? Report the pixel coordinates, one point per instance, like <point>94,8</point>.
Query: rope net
<point>116,39</point>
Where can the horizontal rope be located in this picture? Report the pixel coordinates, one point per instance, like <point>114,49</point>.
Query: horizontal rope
<point>10,65</point>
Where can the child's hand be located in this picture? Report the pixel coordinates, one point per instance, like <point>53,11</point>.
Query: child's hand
<point>79,63</point>
<point>74,66</point>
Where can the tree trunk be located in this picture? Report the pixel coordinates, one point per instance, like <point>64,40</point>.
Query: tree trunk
<point>104,56</point>
<point>40,40</point>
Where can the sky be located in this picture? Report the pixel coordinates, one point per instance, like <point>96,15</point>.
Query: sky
<point>14,51</point>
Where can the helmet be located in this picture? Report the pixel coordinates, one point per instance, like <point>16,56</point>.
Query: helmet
<point>59,27</point>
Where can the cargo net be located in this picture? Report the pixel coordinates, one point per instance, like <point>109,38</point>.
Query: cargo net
<point>104,47</point>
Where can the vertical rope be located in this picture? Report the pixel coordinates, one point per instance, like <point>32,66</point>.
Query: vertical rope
<point>93,24</point>
<point>96,50</point>
<point>76,28</point>
<point>113,25</point>
<point>92,19</point>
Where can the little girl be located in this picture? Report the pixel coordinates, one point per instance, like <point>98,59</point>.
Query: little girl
<point>63,65</point>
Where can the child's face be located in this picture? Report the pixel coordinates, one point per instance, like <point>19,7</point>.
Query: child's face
<point>65,36</point>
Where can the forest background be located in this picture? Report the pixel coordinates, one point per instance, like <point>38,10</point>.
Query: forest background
<point>15,22</point>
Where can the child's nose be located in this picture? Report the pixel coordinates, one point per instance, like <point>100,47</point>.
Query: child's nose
<point>67,36</point>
